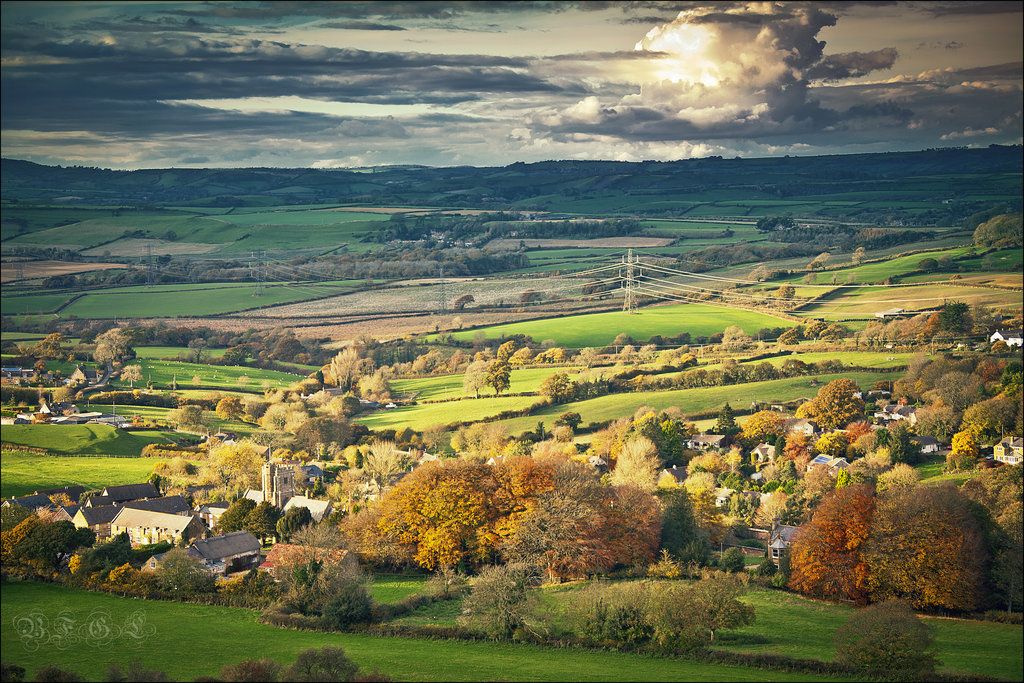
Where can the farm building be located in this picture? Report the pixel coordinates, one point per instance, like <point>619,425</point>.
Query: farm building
<point>144,527</point>
<point>1009,337</point>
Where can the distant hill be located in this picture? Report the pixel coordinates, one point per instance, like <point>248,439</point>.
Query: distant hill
<point>967,178</point>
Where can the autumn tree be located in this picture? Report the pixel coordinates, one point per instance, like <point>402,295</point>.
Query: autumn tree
<point>826,555</point>
<point>558,387</point>
<point>113,346</point>
<point>383,462</point>
<point>927,546</point>
<point>236,465</point>
<point>499,375</point>
<point>764,425</point>
<point>637,464</point>
<point>230,408</point>
<point>475,378</point>
<point>836,404</point>
<point>131,374</point>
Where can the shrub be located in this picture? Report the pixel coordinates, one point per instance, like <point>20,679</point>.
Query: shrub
<point>767,568</point>
<point>350,604</point>
<point>888,641</point>
<point>732,560</point>
<point>500,600</point>
<point>52,674</point>
<point>135,672</point>
<point>252,670</point>
<point>11,672</point>
<point>324,664</point>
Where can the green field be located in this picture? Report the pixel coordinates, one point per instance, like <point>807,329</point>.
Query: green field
<point>860,359</point>
<point>690,401</point>
<point>450,386</point>
<point>426,415</point>
<point>81,439</point>
<point>159,415</point>
<point>187,641</point>
<point>392,588</point>
<point>24,473</point>
<point>171,300</point>
<point>164,373</point>
<point>599,329</point>
<point>864,302</point>
<point>171,352</point>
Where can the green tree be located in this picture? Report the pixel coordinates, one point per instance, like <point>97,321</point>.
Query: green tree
<point>184,575</point>
<point>558,387</point>
<point>291,521</point>
<point>726,423</point>
<point>499,376</point>
<point>500,601</point>
<point>234,517</point>
<point>113,346</point>
<point>886,641</point>
<point>261,521</point>
<point>322,664</point>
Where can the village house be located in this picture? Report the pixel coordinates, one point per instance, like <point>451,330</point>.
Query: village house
<point>780,539</point>
<point>211,512</point>
<point>671,476</point>
<point>127,492</point>
<point>97,519</point>
<point>762,454</point>
<point>318,509</point>
<point>171,505</point>
<point>895,412</point>
<point>82,375</point>
<point>283,556</point>
<point>17,376</point>
<point>57,408</point>
<point>1010,450</point>
<point>1009,337</point>
<point>704,442</point>
<point>145,527</point>
<point>801,425</point>
<point>833,464</point>
<point>238,551</point>
<point>722,496</point>
<point>928,444</point>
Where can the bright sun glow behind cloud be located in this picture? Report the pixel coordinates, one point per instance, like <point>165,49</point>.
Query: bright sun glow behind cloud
<point>687,58</point>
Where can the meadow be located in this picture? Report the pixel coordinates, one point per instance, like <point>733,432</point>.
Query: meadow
<point>82,439</point>
<point>165,374</point>
<point>212,636</point>
<point>24,472</point>
<point>160,416</point>
<point>170,300</point>
<point>689,401</point>
<point>600,329</point>
<point>864,302</point>
<point>523,381</point>
<point>424,415</point>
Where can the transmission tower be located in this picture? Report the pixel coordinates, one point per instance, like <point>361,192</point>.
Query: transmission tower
<point>149,264</point>
<point>442,292</point>
<point>257,270</point>
<point>19,270</point>
<point>629,282</point>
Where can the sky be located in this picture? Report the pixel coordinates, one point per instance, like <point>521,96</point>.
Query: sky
<point>352,84</point>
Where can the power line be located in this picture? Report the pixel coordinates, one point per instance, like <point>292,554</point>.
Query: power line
<point>629,283</point>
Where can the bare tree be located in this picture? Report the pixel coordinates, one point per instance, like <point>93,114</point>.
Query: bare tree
<point>384,462</point>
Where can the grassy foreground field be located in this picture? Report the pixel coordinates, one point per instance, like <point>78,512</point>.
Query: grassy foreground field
<point>599,329</point>
<point>81,439</point>
<point>450,386</point>
<point>187,641</point>
<point>22,472</point>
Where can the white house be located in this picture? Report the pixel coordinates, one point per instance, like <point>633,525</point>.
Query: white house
<point>1009,337</point>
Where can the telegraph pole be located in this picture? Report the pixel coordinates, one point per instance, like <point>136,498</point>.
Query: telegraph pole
<point>629,284</point>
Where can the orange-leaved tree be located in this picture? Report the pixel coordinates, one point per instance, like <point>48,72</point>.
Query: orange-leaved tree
<point>826,556</point>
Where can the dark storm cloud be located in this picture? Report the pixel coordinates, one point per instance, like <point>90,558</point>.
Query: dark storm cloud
<point>852,64</point>
<point>355,25</point>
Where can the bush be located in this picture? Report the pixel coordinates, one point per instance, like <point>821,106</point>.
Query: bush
<point>51,674</point>
<point>888,641</point>
<point>325,664</point>
<point>350,604</point>
<point>732,560</point>
<point>12,673</point>
<point>252,670</point>
<point>499,603</point>
<point>135,672</point>
<point>767,568</point>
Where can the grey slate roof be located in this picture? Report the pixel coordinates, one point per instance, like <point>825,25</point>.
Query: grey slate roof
<point>102,514</point>
<point>218,548</point>
<point>72,492</point>
<point>170,504</point>
<point>33,501</point>
<point>130,492</point>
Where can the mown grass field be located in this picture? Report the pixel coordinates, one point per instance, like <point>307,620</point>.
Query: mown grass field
<point>187,641</point>
<point>171,352</point>
<point>861,359</point>
<point>81,439</point>
<point>22,473</point>
<point>164,373</point>
<point>450,386</point>
<point>600,329</point>
<point>690,401</point>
